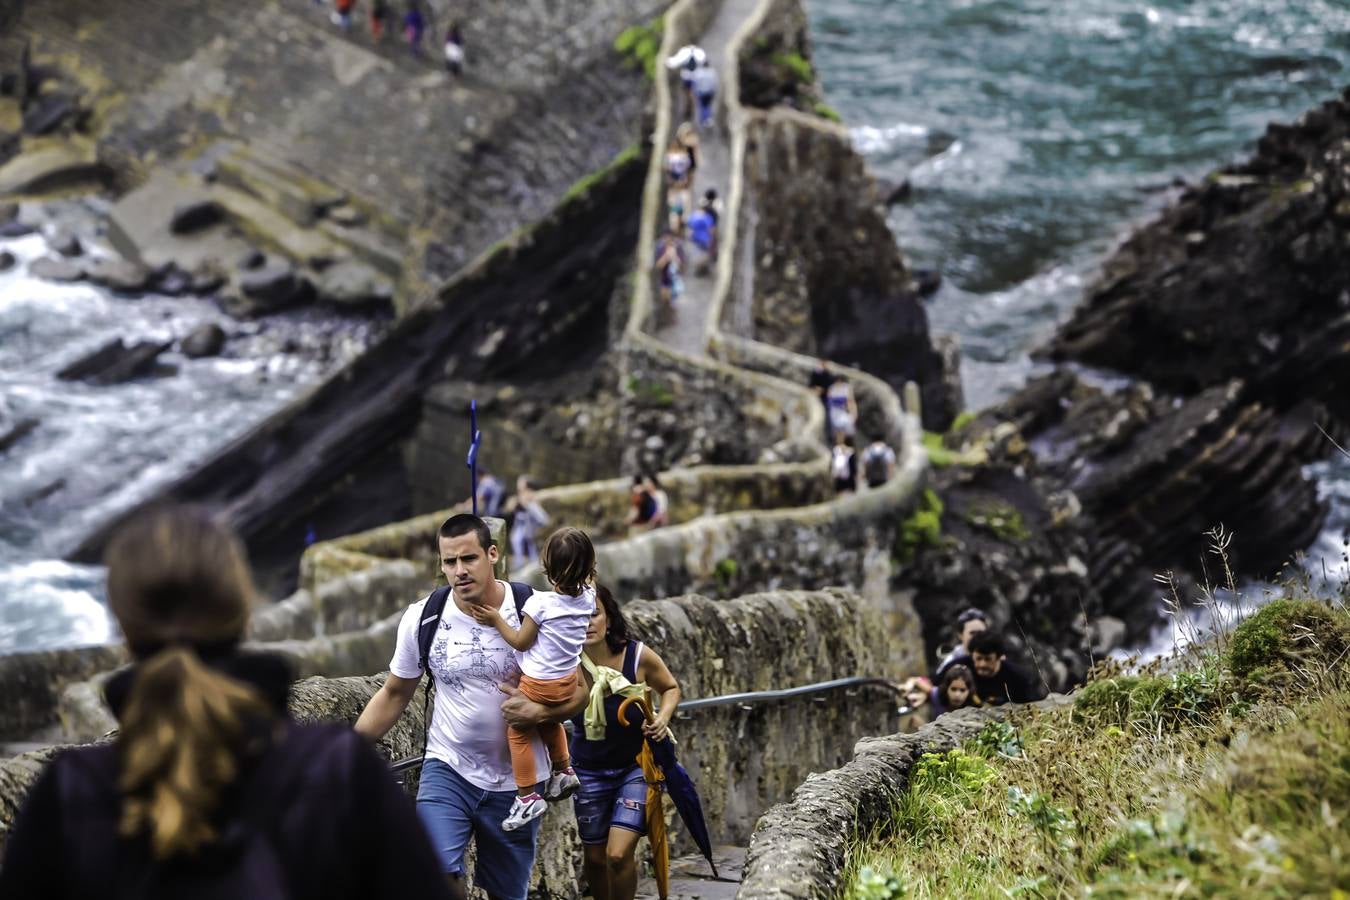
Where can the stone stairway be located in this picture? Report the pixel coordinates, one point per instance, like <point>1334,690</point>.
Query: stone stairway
<point>692,879</point>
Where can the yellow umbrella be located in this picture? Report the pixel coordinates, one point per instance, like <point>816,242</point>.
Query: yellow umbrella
<point>656,816</point>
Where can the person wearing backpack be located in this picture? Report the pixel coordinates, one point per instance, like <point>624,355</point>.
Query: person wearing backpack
<point>210,790</point>
<point>878,463</point>
<point>467,787</point>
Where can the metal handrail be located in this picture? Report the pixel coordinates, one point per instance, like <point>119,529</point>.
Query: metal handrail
<point>747,700</point>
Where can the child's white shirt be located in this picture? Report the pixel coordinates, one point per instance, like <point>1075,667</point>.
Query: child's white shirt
<point>562,622</point>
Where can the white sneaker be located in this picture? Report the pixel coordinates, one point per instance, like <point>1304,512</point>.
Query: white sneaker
<point>524,811</point>
<point>562,785</point>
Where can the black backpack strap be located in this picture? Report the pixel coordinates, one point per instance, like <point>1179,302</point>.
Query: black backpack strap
<point>520,592</point>
<point>431,620</point>
<point>426,633</point>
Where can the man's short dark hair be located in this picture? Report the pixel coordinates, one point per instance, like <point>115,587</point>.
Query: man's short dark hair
<point>462,524</point>
<point>988,642</point>
<point>970,614</point>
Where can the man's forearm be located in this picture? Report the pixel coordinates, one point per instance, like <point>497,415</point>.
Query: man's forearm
<point>379,715</point>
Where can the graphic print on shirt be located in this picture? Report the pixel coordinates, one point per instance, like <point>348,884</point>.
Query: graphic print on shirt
<point>472,663</point>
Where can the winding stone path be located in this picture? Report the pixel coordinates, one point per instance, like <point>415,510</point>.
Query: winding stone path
<point>688,333</point>
<point>691,879</point>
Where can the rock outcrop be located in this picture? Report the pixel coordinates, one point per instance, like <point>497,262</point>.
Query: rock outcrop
<point>1243,278</point>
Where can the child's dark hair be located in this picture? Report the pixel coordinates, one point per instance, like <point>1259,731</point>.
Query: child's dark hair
<point>957,672</point>
<point>617,635</point>
<point>568,559</point>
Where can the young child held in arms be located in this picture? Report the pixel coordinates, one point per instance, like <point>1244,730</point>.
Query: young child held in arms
<point>552,630</point>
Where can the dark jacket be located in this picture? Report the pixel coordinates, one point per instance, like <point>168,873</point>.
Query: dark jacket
<point>1011,683</point>
<point>334,824</point>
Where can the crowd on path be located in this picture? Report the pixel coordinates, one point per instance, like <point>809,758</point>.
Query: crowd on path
<point>975,672</point>
<point>876,461</point>
<point>211,790</point>
<point>412,16</point>
<point>689,242</point>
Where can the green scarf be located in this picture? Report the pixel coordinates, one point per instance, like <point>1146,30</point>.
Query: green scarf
<point>605,680</point>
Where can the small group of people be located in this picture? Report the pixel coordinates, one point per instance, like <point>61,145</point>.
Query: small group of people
<point>975,672</point>
<point>211,790</point>
<point>876,461</point>
<point>650,506</point>
<point>699,80</point>
<point>414,21</point>
<point>525,514</point>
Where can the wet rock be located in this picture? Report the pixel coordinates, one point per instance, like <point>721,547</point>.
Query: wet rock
<point>1108,633</point>
<point>7,261</point>
<point>8,211</point>
<point>207,282</point>
<point>925,282</point>
<point>173,282</point>
<point>13,431</point>
<point>205,340</point>
<point>65,242</point>
<point>253,259</point>
<point>48,113</point>
<point>353,284</point>
<point>54,268</point>
<point>274,286</point>
<point>893,193</point>
<point>193,217</point>
<point>15,229</point>
<point>115,362</point>
<point>120,275</point>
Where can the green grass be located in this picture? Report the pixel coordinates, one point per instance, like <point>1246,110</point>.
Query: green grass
<point>1196,783</point>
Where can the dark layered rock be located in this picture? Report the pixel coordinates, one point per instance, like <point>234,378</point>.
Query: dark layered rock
<point>843,291</point>
<point>14,430</point>
<point>1245,274</point>
<point>7,261</point>
<point>196,216</point>
<point>115,362</point>
<point>1152,474</point>
<point>1004,547</point>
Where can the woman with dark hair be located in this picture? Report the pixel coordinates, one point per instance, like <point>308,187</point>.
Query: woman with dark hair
<point>611,805</point>
<point>209,790</point>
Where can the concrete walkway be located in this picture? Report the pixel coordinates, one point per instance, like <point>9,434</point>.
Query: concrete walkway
<point>687,332</point>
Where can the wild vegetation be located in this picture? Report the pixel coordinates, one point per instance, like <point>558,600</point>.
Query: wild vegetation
<point>1222,772</point>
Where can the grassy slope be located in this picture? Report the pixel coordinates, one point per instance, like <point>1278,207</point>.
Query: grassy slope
<point>1228,778</point>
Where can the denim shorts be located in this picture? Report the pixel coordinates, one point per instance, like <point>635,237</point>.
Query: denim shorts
<point>610,798</point>
<point>452,811</point>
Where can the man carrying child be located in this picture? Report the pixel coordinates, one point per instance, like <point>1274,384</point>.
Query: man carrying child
<point>467,786</point>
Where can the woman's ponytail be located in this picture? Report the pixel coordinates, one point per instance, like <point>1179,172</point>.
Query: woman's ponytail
<point>184,729</point>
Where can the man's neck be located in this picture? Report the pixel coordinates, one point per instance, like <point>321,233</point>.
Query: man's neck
<point>493,596</point>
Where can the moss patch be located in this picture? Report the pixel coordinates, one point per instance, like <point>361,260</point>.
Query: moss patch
<point>921,529</point>
<point>640,45</point>
<point>1000,519</point>
<point>1288,638</point>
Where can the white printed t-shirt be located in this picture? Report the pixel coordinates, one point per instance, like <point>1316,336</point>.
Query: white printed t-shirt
<point>562,622</point>
<point>468,661</point>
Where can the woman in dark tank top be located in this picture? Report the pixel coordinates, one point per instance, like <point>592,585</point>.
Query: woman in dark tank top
<point>611,805</point>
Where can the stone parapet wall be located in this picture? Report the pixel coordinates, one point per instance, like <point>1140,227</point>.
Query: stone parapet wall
<point>799,848</point>
<point>736,755</point>
<point>31,683</point>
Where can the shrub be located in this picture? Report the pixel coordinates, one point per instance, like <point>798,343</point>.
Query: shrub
<point>922,529</point>
<point>641,44</point>
<point>798,66</point>
<point>1286,636</point>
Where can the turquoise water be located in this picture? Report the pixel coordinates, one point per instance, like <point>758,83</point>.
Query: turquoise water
<point>1037,133</point>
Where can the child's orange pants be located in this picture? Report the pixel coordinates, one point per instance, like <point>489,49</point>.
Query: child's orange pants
<point>553,692</point>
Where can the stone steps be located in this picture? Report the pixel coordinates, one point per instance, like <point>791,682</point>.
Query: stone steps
<point>692,879</point>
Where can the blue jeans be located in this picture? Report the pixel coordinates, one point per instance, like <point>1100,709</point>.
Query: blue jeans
<point>610,798</point>
<point>452,810</point>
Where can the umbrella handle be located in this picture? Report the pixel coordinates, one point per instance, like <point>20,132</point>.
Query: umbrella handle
<point>642,707</point>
